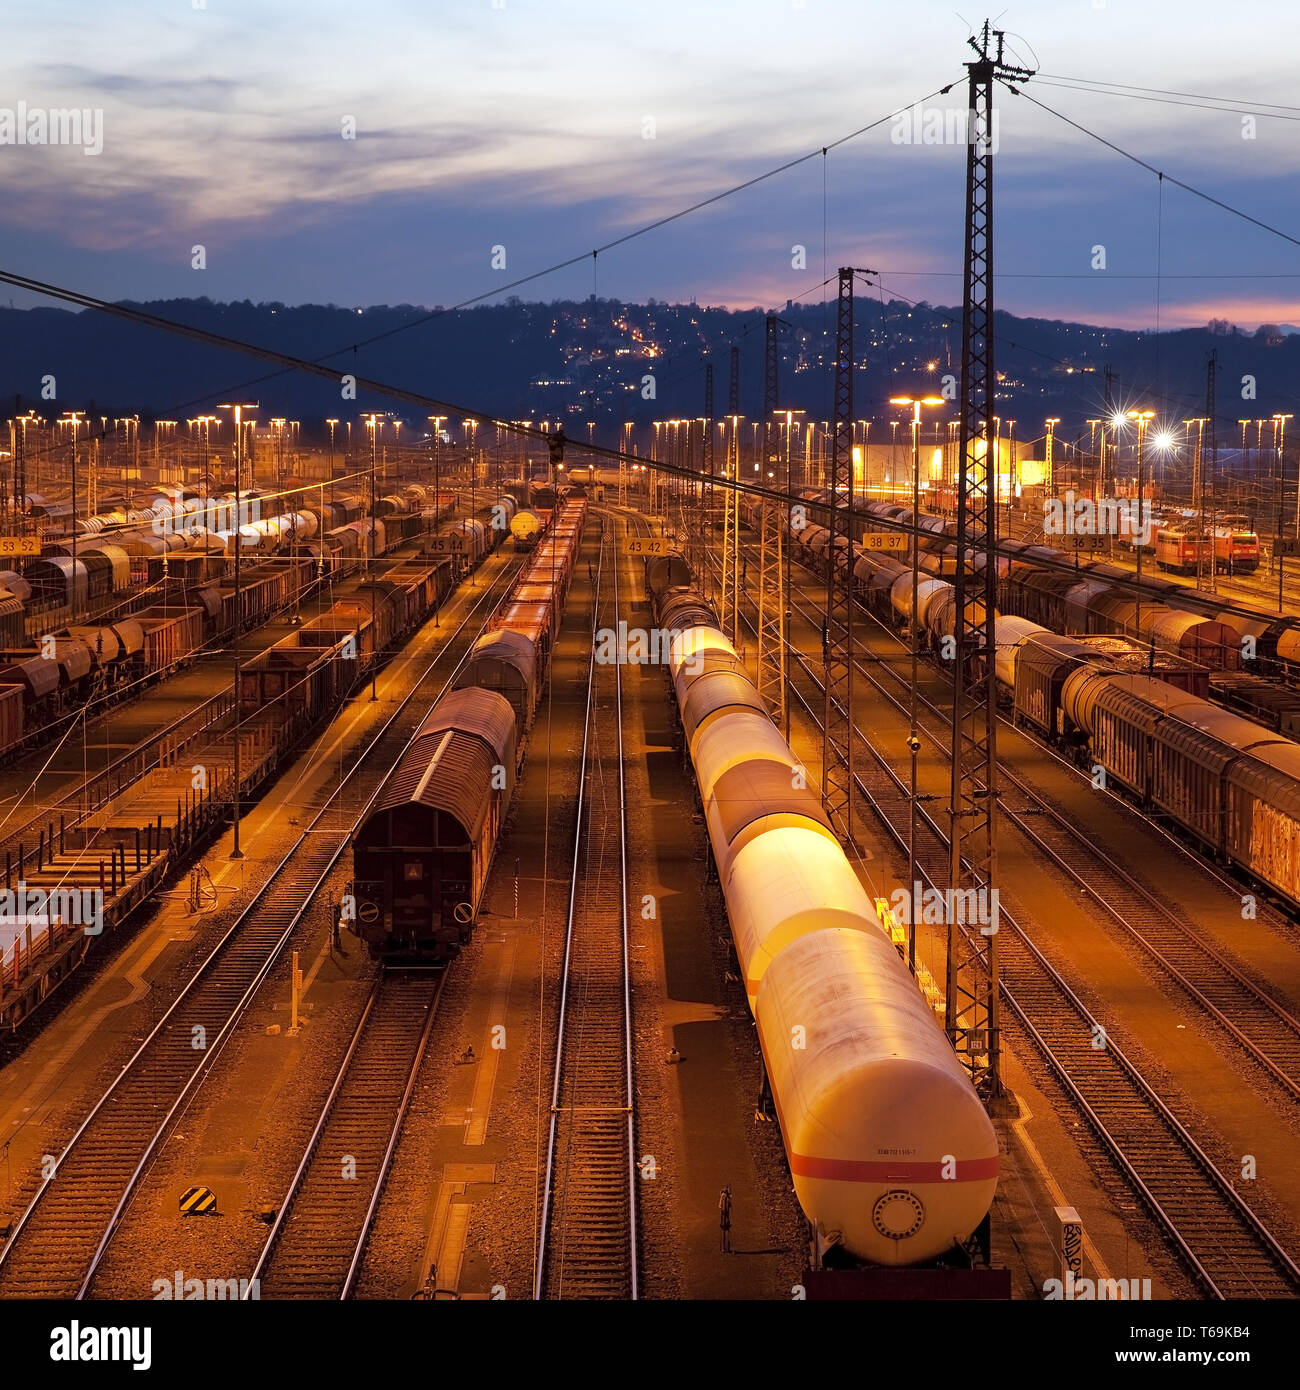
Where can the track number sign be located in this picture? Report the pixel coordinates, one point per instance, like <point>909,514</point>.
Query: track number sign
<point>884,540</point>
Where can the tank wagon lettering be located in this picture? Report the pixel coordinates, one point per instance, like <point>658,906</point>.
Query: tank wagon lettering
<point>1248,1169</point>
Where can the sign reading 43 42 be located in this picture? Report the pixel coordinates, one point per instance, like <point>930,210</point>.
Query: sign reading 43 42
<point>646,545</point>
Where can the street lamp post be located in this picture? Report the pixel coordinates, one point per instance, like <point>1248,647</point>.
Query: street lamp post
<point>72,417</point>
<point>913,738</point>
<point>1138,525</point>
<point>1279,434</point>
<point>236,853</point>
<point>1049,466</point>
<point>370,568</point>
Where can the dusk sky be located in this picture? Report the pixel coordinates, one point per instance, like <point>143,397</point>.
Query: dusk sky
<point>522,123</point>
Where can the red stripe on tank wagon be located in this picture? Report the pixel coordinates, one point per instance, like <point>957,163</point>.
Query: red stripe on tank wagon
<point>890,1170</point>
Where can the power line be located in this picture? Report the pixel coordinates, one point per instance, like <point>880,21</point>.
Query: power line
<point>1089,82</point>
<point>578,259</point>
<point>1151,169</point>
<point>1169,101</point>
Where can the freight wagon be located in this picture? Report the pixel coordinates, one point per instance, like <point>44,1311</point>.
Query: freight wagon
<point>421,858</point>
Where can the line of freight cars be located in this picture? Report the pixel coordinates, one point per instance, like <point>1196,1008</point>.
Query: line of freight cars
<point>198,609</point>
<point>422,856</point>
<point>1230,783</point>
<point>168,541</point>
<point>1101,599</point>
<point>893,1156</point>
<point>1064,591</point>
<point>287,691</point>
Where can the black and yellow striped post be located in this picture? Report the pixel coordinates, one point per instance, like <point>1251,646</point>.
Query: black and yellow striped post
<point>199,1201</point>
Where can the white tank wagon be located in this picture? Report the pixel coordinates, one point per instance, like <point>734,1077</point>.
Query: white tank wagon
<point>889,1146</point>
<point>893,1156</point>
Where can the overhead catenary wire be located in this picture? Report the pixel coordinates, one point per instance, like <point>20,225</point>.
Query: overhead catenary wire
<point>1018,90</point>
<point>556,266</point>
<point>1110,88</point>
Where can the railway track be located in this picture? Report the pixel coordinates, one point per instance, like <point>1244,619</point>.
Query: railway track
<point>1217,1235</point>
<point>60,1239</point>
<point>1260,1025</point>
<point>319,1236</point>
<point>588,1241</point>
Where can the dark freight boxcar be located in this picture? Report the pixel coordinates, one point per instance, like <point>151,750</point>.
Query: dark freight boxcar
<point>421,858</point>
